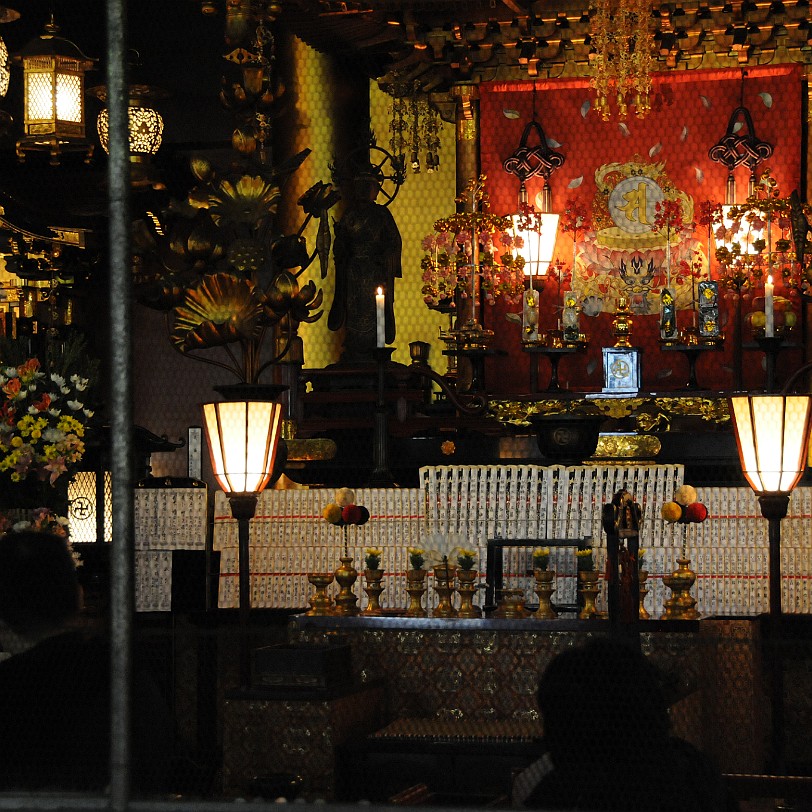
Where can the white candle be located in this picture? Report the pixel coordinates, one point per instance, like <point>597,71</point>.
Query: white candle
<point>380,318</point>
<point>769,309</point>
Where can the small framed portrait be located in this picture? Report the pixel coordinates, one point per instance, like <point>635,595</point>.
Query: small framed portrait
<point>621,369</point>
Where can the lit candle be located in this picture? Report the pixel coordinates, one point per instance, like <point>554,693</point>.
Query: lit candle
<point>769,309</point>
<point>380,318</point>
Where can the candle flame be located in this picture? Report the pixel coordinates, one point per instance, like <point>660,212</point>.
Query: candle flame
<point>380,291</point>
<point>769,280</point>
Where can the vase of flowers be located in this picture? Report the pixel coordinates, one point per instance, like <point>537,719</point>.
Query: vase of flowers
<point>545,579</point>
<point>44,416</point>
<point>416,582</point>
<point>588,583</point>
<point>467,575</point>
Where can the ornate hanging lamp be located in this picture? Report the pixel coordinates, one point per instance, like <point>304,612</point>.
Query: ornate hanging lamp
<point>621,57</point>
<point>53,96</point>
<point>535,229</point>
<point>146,127</point>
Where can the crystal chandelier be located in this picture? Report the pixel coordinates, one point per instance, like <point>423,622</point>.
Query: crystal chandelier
<point>621,57</point>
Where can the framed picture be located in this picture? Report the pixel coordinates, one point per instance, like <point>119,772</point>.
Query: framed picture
<point>621,369</point>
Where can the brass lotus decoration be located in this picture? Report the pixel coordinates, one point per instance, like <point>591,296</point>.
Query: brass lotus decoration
<point>227,280</point>
<point>247,202</point>
<point>222,309</point>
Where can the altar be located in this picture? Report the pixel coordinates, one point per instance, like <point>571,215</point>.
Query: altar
<point>452,703</point>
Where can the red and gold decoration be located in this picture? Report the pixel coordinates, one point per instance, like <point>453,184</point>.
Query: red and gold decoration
<point>343,512</point>
<point>685,509</point>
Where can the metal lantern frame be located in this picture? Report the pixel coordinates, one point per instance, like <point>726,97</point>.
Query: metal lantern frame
<point>53,96</point>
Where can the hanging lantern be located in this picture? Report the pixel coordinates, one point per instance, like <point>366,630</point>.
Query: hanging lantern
<point>146,127</point>
<point>53,96</point>
<point>538,231</point>
<point>7,15</point>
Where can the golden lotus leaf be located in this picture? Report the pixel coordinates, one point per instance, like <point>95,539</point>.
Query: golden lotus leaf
<point>249,201</point>
<point>221,309</point>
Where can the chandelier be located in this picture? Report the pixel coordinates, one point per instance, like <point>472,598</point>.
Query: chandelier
<point>621,56</point>
<point>414,128</point>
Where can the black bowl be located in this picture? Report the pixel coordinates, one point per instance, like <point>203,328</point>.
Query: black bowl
<point>567,439</point>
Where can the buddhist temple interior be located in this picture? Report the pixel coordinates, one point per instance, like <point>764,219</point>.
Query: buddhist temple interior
<point>376,361</point>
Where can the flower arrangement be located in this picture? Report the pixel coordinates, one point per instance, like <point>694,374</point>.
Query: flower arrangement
<point>372,557</point>
<point>541,558</point>
<point>43,416</point>
<point>416,559</point>
<point>468,241</point>
<point>585,560</point>
<point>466,558</point>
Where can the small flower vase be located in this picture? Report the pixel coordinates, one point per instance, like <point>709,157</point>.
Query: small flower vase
<point>416,588</point>
<point>588,589</point>
<point>373,588</point>
<point>444,586</point>
<point>346,575</point>
<point>642,577</point>
<point>545,586</point>
<point>321,603</point>
<point>467,588</point>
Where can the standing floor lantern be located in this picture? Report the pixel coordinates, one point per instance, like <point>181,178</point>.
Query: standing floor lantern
<point>243,437</point>
<point>772,434</point>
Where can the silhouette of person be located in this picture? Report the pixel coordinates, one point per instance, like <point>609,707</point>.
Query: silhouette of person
<point>55,681</point>
<point>606,729</point>
<point>367,253</point>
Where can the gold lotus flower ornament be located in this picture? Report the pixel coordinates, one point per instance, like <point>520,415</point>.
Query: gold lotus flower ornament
<point>247,202</point>
<point>300,302</point>
<point>227,279</point>
<point>222,309</point>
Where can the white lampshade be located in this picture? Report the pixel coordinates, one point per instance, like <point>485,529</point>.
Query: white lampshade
<point>772,433</point>
<point>744,237</point>
<point>243,436</point>
<point>539,242</point>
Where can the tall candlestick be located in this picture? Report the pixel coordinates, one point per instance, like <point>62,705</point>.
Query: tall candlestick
<point>380,318</point>
<point>769,309</point>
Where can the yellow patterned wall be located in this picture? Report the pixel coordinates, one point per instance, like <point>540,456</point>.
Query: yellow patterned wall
<point>421,200</point>
<point>312,128</point>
